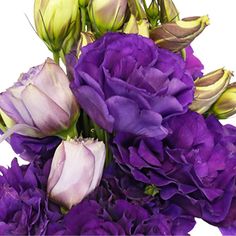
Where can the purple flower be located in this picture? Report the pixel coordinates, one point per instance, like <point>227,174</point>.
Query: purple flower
<point>126,83</point>
<point>193,64</point>
<point>25,209</point>
<point>120,207</point>
<point>194,166</point>
<point>31,149</point>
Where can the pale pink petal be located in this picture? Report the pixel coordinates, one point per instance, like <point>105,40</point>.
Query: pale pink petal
<point>14,108</point>
<point>76,176</point>
<point>54,82</point>
<point>46,114</point>
<point>56,167</point>
<point>99,151</point>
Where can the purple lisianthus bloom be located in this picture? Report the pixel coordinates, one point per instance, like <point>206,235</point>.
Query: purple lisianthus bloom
<point>194,167</point>
<point>120,207</point>
<point>31,149</point>
<point>25,209</point>
<point>193,64</point>
<point>126,83</point>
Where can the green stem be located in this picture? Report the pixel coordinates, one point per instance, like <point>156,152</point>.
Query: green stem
<point>99,132</point>
<point>108,151</point>
<point>56,56</point>
<point>83,18</point>
<point>86,124</point>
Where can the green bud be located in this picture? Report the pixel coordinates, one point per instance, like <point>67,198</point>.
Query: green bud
<point>169,12</point>
<point>107,15</point>
<point>225,106</point>
<point>140,27</point>
<point>85,39</point>
<point>209,88</point>
<point>83,3</point>
<point>57,23</point>
<point>177,35</point>
<point>153,12</point>
<point>136,9</point>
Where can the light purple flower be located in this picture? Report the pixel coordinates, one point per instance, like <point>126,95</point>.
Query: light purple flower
<point>76,170</point>
<point>41,102</point>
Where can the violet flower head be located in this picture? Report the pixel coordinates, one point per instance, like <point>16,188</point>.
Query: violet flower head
<point>126,83</point>
<point>194,167</point>
<point>25,209</point>
<point>119,207</point>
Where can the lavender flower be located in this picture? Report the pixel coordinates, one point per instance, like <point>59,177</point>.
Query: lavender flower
<point>193,167</point>
<point>126,83</point>
<point>41,103</point>
<point>76,171</point>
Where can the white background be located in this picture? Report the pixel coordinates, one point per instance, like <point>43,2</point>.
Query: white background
<point>20,49</point>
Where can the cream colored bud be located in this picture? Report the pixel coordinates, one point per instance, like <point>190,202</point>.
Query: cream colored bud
<point>57,23</point>
<point>107,15</point>
<point>209,88</point>
<point>169,12</point>
<point>225,106</point>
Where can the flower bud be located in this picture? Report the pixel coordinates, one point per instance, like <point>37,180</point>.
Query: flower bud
<point>41,103</point>
<point>136,9</point>
<point>153,12</point>
<point>169,12</point>
<point>209,88</point>
<point>83,3</point>
<point>140,27</point>
<point>177,35</point>
<point>85,39</point>
<point>107,15</point>
<point>57,23</point>
<point>76,170</point>
<point>225,106</point>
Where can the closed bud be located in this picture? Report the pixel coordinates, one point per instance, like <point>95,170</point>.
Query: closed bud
<point>107,15</point>
<point>169,12</point>
<point>83,3</point>
<point>140,27</point>
<point>57,23</point>
<point>76,170</point>
<point>225,106</point>
<point>85,39</point>
<point>136,9</point>
<point>153,12</point>
<point>176,36</point>
<point>209,88</point>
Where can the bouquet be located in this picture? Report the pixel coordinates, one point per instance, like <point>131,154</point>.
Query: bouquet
<point>125,138</point>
